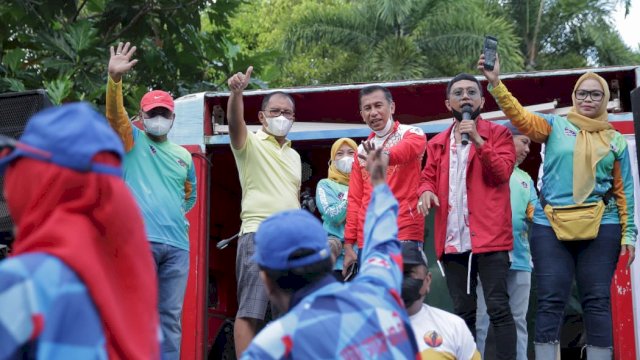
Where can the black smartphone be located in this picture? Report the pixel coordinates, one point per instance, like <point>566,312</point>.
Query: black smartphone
<point>352,271</point>
<point>490,50</point>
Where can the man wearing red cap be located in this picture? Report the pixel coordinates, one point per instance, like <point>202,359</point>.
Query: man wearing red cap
<point>162,178</point>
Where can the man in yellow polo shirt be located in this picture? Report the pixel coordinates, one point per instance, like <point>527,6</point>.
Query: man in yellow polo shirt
<point>270,174</point>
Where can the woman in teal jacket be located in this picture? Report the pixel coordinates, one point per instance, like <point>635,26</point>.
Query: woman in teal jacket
<point>586,169</point>
<point>331,197</point>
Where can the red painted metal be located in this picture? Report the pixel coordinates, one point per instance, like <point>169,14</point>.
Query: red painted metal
<point>194,311</point>
<point>624,340</point>
<point>210,300</point>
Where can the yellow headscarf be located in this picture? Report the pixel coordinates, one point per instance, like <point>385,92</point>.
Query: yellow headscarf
<point>335,174</point>
<point>592,143</point>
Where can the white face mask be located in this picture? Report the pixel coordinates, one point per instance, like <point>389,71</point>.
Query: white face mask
<point>385,131</point>
<point>279,126</point>
<point>344,164</point>
<point>157,125</point>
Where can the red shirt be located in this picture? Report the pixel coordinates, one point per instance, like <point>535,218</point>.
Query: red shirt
<point>405,147</point>
<point>488,171</point>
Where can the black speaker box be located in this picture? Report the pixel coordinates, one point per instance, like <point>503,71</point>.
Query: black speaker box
<point>15,110</point>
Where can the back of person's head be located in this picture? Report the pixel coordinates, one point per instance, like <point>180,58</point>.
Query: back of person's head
<point>460,77</point>
<point>267,98</point>
<point>371,89</point>
<point>292,249</point>
<point>69,136</point>
<point>68,200</point>
<point>294,279</point>
<point>67,158</point>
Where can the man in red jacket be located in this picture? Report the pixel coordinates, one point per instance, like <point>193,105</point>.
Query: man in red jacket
<point>473,226</point>
<point>404,147</point>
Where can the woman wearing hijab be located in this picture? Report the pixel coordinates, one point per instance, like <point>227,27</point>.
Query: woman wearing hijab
<point>331,197</point>
<point>80,283</point>
<point>584,220</point>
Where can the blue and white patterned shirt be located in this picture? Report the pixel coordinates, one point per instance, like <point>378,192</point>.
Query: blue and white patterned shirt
<point>364,318</point>
<point>46,311</point>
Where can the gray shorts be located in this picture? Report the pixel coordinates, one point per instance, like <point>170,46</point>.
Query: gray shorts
<point>252,295</point>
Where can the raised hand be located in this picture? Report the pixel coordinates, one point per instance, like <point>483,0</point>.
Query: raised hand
<point>493,76</point>
<point>377,166</point>
<point>368,146</point>
<point>239,81</point>
<point>120,61</point>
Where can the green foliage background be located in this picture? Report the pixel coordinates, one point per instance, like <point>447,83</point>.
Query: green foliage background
<point>191,46</point>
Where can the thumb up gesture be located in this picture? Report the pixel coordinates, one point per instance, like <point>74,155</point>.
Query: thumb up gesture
<point>239,81</point>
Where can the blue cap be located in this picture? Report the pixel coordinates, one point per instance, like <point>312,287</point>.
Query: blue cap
<point>70,136</point>
<point>281,234</point>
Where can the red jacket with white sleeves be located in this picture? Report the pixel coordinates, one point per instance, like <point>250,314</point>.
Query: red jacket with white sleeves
<point>405,147</point>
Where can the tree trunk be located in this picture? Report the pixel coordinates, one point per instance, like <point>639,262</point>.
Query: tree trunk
<point>532,48</point>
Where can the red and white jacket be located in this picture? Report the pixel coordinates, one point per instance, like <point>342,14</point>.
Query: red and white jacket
<point>405,147</point>
<point>488,171</point>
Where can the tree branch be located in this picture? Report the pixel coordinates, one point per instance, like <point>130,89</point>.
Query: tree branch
<point>147,8</point>
<point>84,2</point>
<point>143,11</point>
<point>533,51</point>
<point>171,8</point>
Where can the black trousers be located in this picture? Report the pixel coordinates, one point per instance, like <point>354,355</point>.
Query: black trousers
<point>492,268</point>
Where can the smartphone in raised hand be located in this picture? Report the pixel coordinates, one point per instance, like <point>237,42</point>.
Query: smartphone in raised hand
<point>490,50</point>
<point>352,271</point>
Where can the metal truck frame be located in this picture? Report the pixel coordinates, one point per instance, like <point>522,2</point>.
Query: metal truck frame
<point>323,114</point>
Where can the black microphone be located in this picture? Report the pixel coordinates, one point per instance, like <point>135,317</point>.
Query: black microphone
<point>466,115</point>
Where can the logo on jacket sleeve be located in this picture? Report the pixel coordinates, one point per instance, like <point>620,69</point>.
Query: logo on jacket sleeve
<point>182,163</point>
<point>416,130</point>
<point>569,132</point>
<point>614,147</point>
<point>376,261</point>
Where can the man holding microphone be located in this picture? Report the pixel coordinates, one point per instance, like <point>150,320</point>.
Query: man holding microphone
<point>473,224</point>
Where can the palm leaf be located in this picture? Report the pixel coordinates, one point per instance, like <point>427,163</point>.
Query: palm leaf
<point>456,31</point>
<point>397,58</point>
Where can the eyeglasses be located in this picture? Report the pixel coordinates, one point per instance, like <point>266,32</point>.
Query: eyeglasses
<point>459,93</point>
<point>277,112</point>
<point>595,95</point>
